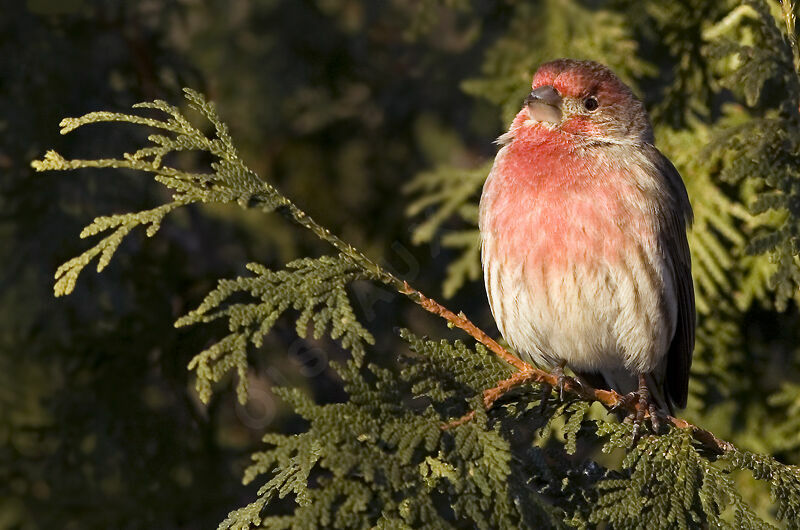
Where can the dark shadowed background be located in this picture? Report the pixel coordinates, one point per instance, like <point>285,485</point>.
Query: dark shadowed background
<point>341,104</point>
<point>333,101</point>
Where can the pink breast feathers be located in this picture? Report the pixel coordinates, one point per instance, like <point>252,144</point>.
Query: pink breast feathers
<point>558,209</point>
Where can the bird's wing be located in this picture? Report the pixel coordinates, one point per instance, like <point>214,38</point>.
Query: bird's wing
<point>676,218</point>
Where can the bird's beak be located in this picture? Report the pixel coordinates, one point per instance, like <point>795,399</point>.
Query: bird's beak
<point>544,104</point>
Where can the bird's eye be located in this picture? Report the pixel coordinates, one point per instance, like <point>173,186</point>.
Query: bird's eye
<point>590,103</point>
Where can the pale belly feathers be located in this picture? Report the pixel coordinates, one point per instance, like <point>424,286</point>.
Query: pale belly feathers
<point>577,274</point>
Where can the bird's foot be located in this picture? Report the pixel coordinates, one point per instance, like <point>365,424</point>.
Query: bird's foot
<point>640,407</point>
<point>562,380</point>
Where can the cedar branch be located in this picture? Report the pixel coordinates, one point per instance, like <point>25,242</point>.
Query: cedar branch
<point>526,373</point>
<point>268,198</point>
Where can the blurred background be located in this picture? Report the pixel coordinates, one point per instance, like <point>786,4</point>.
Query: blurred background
<point>333,101</point>
<point>342,104</point>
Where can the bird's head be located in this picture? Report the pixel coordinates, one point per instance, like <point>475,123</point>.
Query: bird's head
<point>585,99</point>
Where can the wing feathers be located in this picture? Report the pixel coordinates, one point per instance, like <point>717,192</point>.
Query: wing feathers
<point>676,218</point>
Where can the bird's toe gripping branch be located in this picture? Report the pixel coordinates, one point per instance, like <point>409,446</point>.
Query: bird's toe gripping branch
<point>527,373</point>
<point>638,407</point>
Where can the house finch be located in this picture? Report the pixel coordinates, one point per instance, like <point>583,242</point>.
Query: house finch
<point>583,224</point>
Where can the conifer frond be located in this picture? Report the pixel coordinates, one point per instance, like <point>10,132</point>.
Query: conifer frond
<point>447,190</point>
<point>576,412</point>
<point>380,459</point>
<point>784,481</point>
<point>666,483</point>
<point>450,194</point>
<point>230,181</point>
<point>395,466</point>
<point>476,368</point>
<point>716,239</point>
<point>67,274</point>
<point>467,266</point>
<point>786,437</point>
<point>765,147</point>
<point>317,288</point>
<point>720,357</point>
<point>765,150</point>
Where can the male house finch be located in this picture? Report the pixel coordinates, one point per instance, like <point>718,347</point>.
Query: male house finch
<point>583,225</point>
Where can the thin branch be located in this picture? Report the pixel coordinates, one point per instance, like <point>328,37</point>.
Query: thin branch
<point>268,198</point>
<point>526,373</point>
<point>462,322</point>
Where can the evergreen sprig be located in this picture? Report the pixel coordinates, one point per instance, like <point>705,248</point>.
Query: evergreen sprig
<point>666,482</point>
<point>393,465</point>
<point>230,181</point>
<point>317,288</point>
<point>766,146</point>
<point>784,481</point>
<point>397,468</point>
<point>443,194</point>
<point>382,458</point>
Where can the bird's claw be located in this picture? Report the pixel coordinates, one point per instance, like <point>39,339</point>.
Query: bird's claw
<point>643,407</point>
<point>625,402</point>
<point>655,417</point>
<point>562,380</point>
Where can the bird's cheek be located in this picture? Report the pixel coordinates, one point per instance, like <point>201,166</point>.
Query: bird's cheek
<point>582,125</point>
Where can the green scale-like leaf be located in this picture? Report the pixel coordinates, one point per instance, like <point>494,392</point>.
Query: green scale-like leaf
<point>230,181</point>
<point>381,458</point>
<point>314,287</point>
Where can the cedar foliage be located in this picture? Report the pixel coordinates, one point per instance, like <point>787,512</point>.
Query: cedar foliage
<point>380,458</point>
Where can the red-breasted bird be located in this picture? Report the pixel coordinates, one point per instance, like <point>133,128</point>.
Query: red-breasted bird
<point>583,226</point>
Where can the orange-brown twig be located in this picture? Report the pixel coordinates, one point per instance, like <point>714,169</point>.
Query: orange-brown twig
<point>527,373</point>
<point>462,322</point>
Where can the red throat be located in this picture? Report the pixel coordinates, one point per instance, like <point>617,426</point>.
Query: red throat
<point>552,204</point>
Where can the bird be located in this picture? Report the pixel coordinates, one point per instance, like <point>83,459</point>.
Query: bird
<point>584,249</point>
